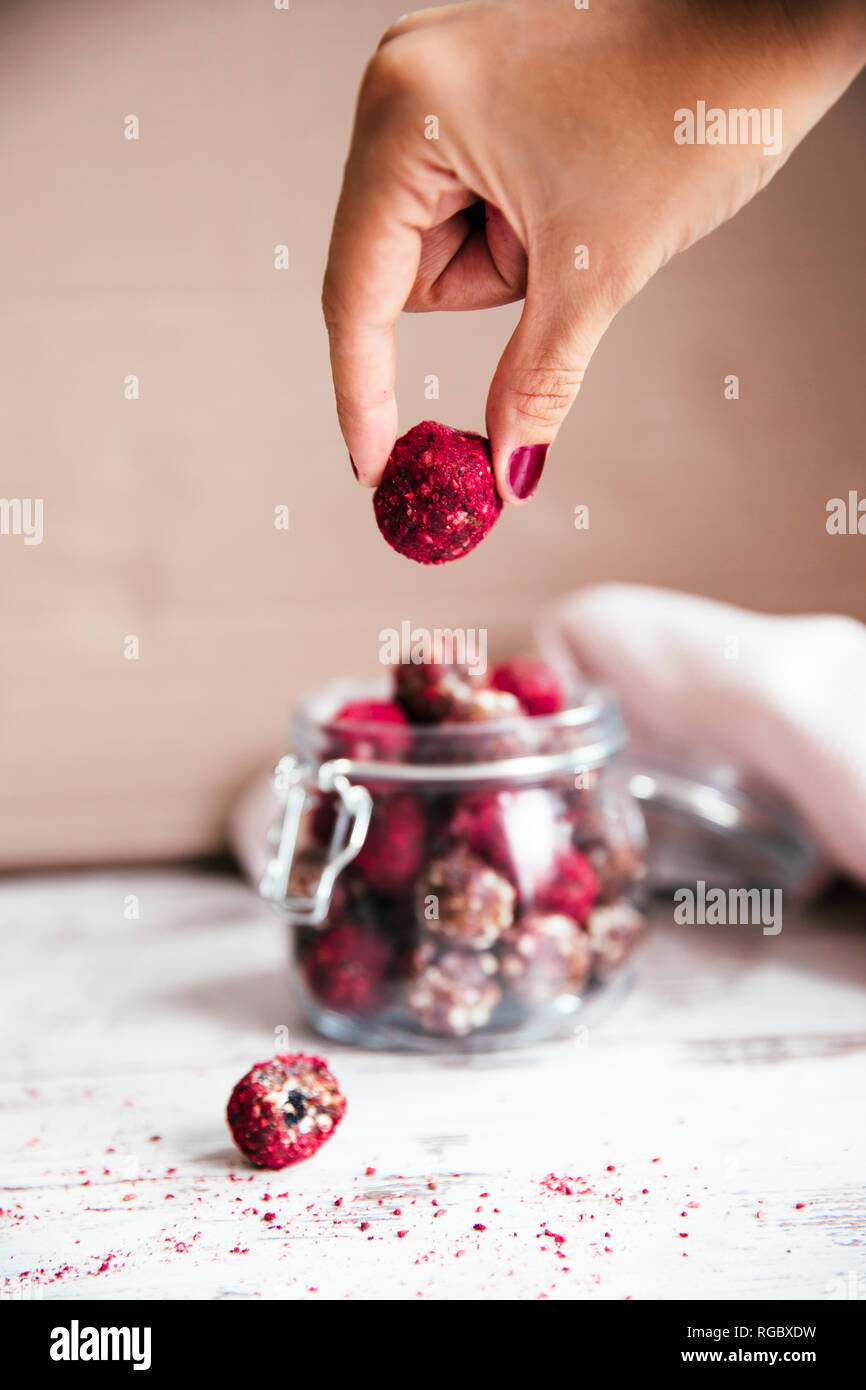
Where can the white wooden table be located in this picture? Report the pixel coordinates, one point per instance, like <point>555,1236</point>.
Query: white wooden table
<point>710,1126</point>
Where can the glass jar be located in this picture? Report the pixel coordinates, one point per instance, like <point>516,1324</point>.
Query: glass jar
<point>472,885</point>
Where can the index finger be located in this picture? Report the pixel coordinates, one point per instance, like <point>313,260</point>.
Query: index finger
<point>372,263</point>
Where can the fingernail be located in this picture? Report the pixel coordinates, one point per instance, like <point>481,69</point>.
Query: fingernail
<point>524,469</point>
<point>354,469</point>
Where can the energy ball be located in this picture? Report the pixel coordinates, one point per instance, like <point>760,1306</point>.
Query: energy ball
<point>614,931</point>
<point>431,691</point>
<point>532,683</point>
<point>283,1110</point>
<point>480,822</point>
<point>437,498</point>
<point>544,955</point>
<point>484,706</point>
<point>570,888</point>
<point>455,993</point>
<point>352,736</point>
<point>618,868</point>
<point>462,901</point>
<point>346,968</point>
<point>394,844</point>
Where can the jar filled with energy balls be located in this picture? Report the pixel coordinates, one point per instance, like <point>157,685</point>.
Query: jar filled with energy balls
<point>458,855</point>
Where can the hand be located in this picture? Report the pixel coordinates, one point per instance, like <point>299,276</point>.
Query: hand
<point>554,129</point>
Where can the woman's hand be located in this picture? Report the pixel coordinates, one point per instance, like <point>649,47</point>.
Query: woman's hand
<point>526,148</point>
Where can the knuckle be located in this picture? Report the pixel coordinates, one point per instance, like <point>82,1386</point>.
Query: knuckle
<point>544,394</point>
<point>393,73</point>
<point>395,30</point>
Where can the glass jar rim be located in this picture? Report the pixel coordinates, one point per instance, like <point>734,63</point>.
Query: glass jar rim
<point>587,732</point>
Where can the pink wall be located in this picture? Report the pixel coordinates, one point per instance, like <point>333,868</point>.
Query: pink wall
<point>155,257</point>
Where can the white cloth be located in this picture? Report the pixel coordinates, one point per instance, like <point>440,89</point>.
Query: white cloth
<point>782,697</point>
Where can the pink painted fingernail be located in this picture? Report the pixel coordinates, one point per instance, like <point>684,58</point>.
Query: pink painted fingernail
<point>524,469</point>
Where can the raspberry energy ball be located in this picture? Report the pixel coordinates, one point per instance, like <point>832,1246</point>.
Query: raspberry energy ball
<point>394,844</point>
<point>571,888</point>
<point>345,967</point>
<point>437,498</point>
<point>353,740</point>
<point>464,902</point>
<point>543,955</point>
<point>532,682</point>
<point>283,1110</point>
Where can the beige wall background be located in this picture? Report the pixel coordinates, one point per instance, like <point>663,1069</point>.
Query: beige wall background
<point>155,257</point>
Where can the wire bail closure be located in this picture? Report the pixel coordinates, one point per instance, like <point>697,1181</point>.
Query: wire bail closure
<point>293,781</point>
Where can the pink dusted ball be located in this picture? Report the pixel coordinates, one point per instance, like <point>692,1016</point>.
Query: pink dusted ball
<point>284,1109</point>
<point>571,887</point>
<point>394,844</point>
<point>437,498</point>
<point>345,967</point>
<point>532,682</point>
<point>370,731</point>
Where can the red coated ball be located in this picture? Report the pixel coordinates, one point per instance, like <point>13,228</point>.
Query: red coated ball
<point>432,692</point>
<point>570,888</point>
<point>394,844</point>
<point>284,1109</point>
<point>437,498</point>
<point>532,682</point>
<point>345,967</point>
<point>370,731</point>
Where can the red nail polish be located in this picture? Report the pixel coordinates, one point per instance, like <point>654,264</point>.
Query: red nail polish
<point>524,469</point>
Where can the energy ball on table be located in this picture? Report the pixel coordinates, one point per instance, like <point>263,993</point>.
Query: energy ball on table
<point>532,682</point>
<point>283,1110</point>
<point>544,955</point>
<point>464,902</point>
<point>455,993</point>
<point>437,498</point>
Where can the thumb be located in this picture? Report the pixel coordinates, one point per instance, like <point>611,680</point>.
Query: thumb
<point>536,381</point>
